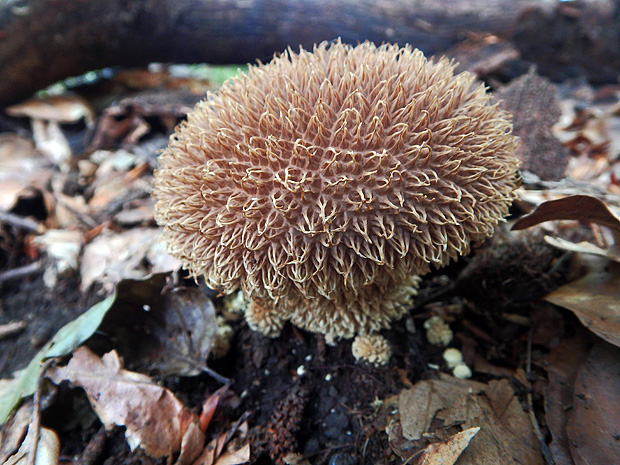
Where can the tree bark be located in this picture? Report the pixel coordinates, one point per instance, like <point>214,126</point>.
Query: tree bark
<point>43,41</point>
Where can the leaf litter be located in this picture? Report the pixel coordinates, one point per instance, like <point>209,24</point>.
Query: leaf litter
<point>436,410</point>
<point>164,423</point>
<point>98,192</point>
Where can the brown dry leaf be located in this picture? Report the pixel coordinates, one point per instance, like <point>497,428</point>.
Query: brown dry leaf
<point>132,254</point>
<point>67,108</point>
<point>208,454</point>
<point>505,435</point>
<point>595,299</point>
<point>235,457</point>
<point>21,167</point>
<point>562,367</point>
<point>574,207</point>
<point>186,334</point>
<point>448,452</point>
<point>425,405</point>
<point>210,405</point>
<point>14,430</point>
<point>154,418</point>
<point>594,424</point>
<point>229,457</point>
<point>534,104</point>
<point>47,453</point>
<point>158,329</point>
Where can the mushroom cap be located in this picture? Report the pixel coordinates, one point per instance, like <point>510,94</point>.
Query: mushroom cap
<point>322,182</point>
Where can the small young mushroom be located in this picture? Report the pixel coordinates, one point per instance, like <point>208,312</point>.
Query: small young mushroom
<point>323,182</point>
<point>371,348</point>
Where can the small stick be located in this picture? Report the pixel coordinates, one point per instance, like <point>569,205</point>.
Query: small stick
<point>11,328</point>
<point>21,222</point>
<point>36,415</point>
<point>21,271</point>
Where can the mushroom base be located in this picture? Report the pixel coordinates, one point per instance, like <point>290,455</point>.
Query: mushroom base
<point>364,312</point>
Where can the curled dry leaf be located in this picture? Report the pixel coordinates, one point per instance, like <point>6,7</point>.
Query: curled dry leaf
<point>154,418</point>
<point>574,207</point>
<point>235,457</point>
<point>595,300</point>
<point>213,455</point>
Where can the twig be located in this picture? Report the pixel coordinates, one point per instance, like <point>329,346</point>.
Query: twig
<point>421,301</point>
<point>215,375</point>
<point>36,415</point>
<point>548,456</point>
<point>11,328</point>
<point>21,271</point>
<point>21,222</point>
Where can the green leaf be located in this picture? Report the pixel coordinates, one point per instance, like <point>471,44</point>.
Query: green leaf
<point>63,343</point>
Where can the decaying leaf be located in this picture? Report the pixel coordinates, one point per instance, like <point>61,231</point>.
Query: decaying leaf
<point>505,435</point>
<point>154,418</point>
<point>446,453</point>
<point>425,405</point>
<point>574,207</point>
<point>132,254</point>
<point>594,424</point>
<point>186,333</point>
<point>47,451</point>
<point>14,431</point>
<point>595,299</point>
<point>235,457</point>
<point>214,454</point>
<point>169,332</point>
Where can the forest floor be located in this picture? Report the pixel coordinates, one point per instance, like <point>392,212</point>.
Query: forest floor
<point>533,312</point>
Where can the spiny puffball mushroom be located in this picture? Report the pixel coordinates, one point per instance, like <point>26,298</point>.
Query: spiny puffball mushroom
<point>323,182</point>
<point>371,348</point>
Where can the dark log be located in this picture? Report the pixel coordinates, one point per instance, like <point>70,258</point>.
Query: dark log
<point>43,41</point>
